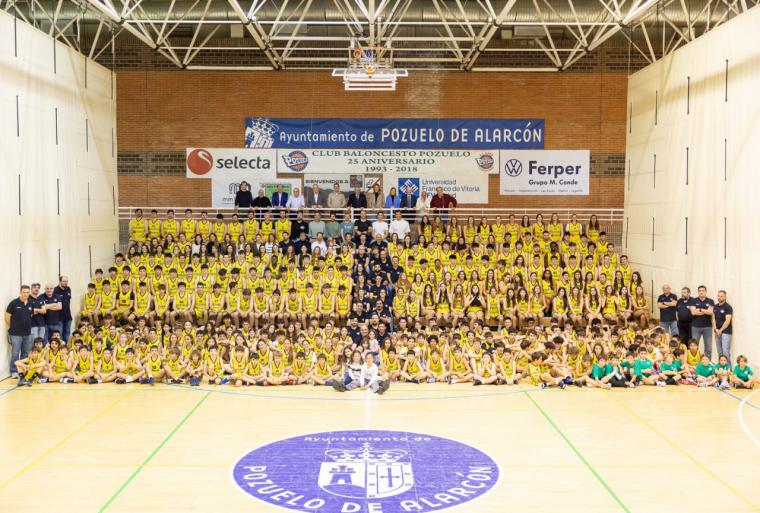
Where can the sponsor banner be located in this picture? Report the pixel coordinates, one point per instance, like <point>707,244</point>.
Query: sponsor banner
<point>224,188</point>
<point>327,180</point>
<point>374,161</point>
<point>545,172</point>
<point>216,163</point>
<point>471,188</point>
<point>384,133</point>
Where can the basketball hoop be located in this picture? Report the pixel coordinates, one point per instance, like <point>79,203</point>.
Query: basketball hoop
<point>369,70</point>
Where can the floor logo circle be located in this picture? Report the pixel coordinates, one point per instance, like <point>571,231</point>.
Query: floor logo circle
<point>366,472</point>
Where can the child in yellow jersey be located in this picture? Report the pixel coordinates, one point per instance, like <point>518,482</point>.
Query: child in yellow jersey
<point>105,369</point>
<point>194,368</point>
<point>459,367</point>
<point>413,371</point>
<point>31,367</point>
<point>131,370</point>
<point>277,374</point>
<point>237,366</point>
<point>390,368</point>
<point>213,372</point>
<point>436,367</point>
<point>486,372</point>
<point>82,366</point>
<point>321,373</point>
<point>154,367</point>
<point>300,370</point>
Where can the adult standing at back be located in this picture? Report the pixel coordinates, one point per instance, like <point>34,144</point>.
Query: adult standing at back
<point>667,302</point>
<point>442,203</point>
<point>63,291</point>
<point>409,204</point>
<point>18,320</point>
<point>723,314</point>
<point>243,199</point>
<point>357,200</point>
<point>683,315</point>
<point>375,199</point>
<point>261,203</point>
<point>316,198</point>
<point>279,197</point>
<point>702,323</point>
<point>336,199</point>
<point>38,312</point>
<point>53,309</point>
<point>392,202</point>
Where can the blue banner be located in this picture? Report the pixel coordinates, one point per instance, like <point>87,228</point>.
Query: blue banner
<point>406,133</point>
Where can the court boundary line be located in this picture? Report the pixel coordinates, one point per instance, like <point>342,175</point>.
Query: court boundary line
<point>153,454</point>
<point>66,438</point>
<point>688,455</point>
<point>8,391</point>
<point>740,414</point>
<point>580,456</point>
<point>729,394</point>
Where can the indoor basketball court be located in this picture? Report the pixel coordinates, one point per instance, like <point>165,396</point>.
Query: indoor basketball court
<point>379,256</point>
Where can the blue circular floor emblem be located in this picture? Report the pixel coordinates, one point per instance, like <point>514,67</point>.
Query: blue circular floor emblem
<point>366,472</point>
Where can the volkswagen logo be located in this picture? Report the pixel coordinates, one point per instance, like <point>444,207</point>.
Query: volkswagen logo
<point>513,167</point>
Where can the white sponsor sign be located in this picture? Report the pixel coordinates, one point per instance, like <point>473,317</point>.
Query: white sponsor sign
<point>327,180</point>
<point>214,163</point>
<point>224,188</point>
<point>544,172</point>
<point>466,188</point>
<point>374,161</point>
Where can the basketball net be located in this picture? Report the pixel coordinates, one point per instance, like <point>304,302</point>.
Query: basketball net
<point>369,70</point>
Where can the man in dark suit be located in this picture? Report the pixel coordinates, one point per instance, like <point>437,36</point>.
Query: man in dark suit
<point>357,200</point>
<point>279,197</point>
<point>316,197</point>
<point>408,205</point>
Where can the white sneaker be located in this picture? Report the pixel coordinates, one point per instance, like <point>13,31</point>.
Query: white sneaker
<point>702,385</point>
<point>724,385</point>
<point>14,375</point>
<point>661,384</point>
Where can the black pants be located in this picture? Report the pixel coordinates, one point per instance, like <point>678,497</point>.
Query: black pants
<point>684,332</point>
<point>618,382</point>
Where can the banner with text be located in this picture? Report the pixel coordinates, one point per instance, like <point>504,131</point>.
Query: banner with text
<point>384,133</point>
<point>544,172</point>
<point>417,162</point>
<point>217,163</point>
<point>328,180</point>
<point>224,188</point>
<point>466,188</point>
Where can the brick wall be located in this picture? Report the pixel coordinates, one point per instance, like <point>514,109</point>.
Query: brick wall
<point>160,113</point>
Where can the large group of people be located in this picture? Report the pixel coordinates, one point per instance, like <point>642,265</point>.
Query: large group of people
<point>276,296</point>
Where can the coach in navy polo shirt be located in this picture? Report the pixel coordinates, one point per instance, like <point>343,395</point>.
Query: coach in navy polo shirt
<point>702,323</point>
<point>724,316</point>
<point>63,291</point>
<point>667,302</point>
<point>683,315</point>
<point>53,307</point>
<point>18,319</point>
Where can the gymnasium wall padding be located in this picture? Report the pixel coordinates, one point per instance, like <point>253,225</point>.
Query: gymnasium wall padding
<point>691,196</point>
<point>57,120</point>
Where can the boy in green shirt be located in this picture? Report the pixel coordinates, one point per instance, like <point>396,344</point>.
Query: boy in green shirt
<point>706,373</point>
<point>599,372</point>
<point>616,374</point>
<point>742,376</point>
<point>670,371</point>
<point>643,373</point>
<point>723,371</point>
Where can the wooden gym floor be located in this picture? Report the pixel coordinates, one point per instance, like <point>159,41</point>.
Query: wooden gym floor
<point>135,448</point>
